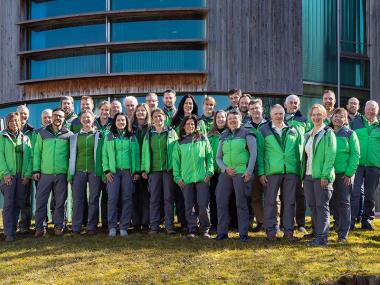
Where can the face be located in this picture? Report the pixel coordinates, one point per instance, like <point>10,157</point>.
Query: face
<point>116,107</point>
<point>338,120</point>
<point>371,111</point>
<point>234,100</point>
<point>233,121</point>
<point>104,111</point>
<point>328,101</point>
<point>221,120</point>
<point>158,119</point>
<point>46,119</point>
<point>188,106</point>
<point>87,120</point>
<point>13,124</point>
<point>141,113</point>
<point>353,106</point>
<point>121,122</point>
<point>24,115</point>
<point>169,99</point>
<point>67,106</point>
<point>208,108</point>
<point>256,110</point>
<point>243,104</point>
<point>277,115</point>
<point>130,106</point>
<point>317,117</point>
<point>86,104</point>
<point>292,105</point>
<point>152,101</point>
<point>58,118</point>
<point>189,126</point>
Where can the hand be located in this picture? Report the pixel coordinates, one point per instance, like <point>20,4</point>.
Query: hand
<point>207,179</point>
<point>36,176</point>
<point>8,180</point>
<point>109,177</point>
<point>136,177</point>
<point>181,184</point>
<point>230,171</point>
<point>263,180</point>
<point>144,175</point>
<point>347,180</point>
<point>324,183</point>
<point>25,181</point>
<point>246,177</point>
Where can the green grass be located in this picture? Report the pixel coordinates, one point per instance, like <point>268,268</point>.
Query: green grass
<point>164,259</point>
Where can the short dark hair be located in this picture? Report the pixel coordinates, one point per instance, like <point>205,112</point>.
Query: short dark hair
<point>57,109</point>
<point>235,91</point>
<point>170,91</point>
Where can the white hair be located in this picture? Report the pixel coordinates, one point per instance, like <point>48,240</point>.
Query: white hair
<point>22,107</point>
<point>291,96</point>
<point>46,111</point>
<point>131,98</point>
<point>374,103</point>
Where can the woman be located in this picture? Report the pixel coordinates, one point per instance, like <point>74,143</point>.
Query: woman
<point>141,124</point>
<point>121,163</point>
<point>318,172</point>
<point>346,163</point>
<point>192,171</point>
<point>236,159</point>
<point>207,118</point>
<point>85,152</point>
<point>219,126</point>
<point>15,172</point>
<point>156,166</point>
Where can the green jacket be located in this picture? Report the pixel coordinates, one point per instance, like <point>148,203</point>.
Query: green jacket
<point>347,152</point>
<point>97,155</point>
<point>169,115</point>
<point>278,154</point>
<point>208,123</point>
<point>369,141</point>
<point>120,153</point>
<point>214,138</point>
<point>69,119</point>
<point>76,125</point>
<point>51,151</point>
<point>324,152</point>
<point>8,156</point>
<point>192,159</point>
<point>299,122</point>
<point>147,150</point>
<point>250,125</point>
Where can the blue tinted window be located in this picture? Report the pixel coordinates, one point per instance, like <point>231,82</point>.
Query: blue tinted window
<point>152,30</point>
<point>67,36</point>
<point>35,110</point>
<point>164,60</point>
<point>355,73</point>
<point>136,4</point>
<point>73,65</point>
<point>43,9</point>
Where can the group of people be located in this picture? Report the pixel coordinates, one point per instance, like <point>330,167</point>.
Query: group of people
<point>226,168</point>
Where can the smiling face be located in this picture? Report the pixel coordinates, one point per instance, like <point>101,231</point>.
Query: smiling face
<point>104,111</point>
<point>141,113</point>
<point>234,100</point>
<point>188,106</point>
<point>371,110</point>
<point>58,118</point>
<point>208,108</point>
<point>277,115</point>
<point>87,120</point>
<point>292,105</point>
<point>121,122</point>
<point>189,126</point>
<point>130,106</point>
<point>329,101</point>
<point>233,121</point>
<point>152,101</point>
<point>221,120</point>
<point>352,106</point>
<point>255,110</point>
<point>169,99</point>
<point>243,104</point>
<point>317,116</point>
<point>115,108</point>
<point>14,124</point>
<point>46,118</point>
<point>24,115</point>
<point>67,106</point>
<point>339,119</point>
<point>158,119</point>
<point>86,104</point>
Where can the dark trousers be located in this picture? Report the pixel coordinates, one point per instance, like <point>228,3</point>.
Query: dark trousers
<point>213,207</point>
<point>140,214</point>
<point>26,207</point>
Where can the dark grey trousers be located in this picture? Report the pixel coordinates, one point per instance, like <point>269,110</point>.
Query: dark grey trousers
<point>140,214</point>
<point>197,193</point>
<point>26,208</point>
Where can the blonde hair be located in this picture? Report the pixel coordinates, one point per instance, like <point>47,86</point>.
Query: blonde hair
<point>320,108</point>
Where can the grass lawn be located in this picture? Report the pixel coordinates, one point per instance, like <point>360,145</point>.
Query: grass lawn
<point>164,259</point>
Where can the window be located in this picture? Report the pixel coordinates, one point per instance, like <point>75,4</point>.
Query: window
<point>136,4</point>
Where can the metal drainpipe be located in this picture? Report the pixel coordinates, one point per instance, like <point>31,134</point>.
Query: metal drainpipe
<point>338,32</point>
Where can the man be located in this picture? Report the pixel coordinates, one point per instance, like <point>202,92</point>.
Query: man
<point>367,128</point>
<point>328,101</point>
<point>279,159</point>
<point>234,97</point>
<point>26,207</point>
<point>50,168</point>
<point>115,108</point>
<point>169,99</point>
<point>243,106</point>
<point>86,103</point>
<point>352,107</point>
<point>294,118</point>
<point>151,100</point>
<point>67,105</point>
<point>130,104</point>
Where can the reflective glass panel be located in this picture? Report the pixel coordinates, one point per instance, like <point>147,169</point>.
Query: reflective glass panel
<point>136,4</point>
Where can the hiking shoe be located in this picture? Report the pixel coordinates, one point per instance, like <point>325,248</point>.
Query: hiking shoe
<point>112,232</point>
<point>301,229</point>
<point>243,238</point>
<point>58,232</point>
<point>317,242</point>
<point>190,235</point>
<point>9,238</point>
<point>153,232</point>
<point>341,240</point>
<point>39,233</point>
<point>171,232</point>
<point>259,227</point>
<point>123,233</point>
<point>221,237</point>
<point>289,237</point>
<point>271,236</point>
<point>205,235</point>
<point>367,226</point>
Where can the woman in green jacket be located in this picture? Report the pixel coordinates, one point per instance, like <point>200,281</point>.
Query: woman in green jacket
<point>156,166</point>
<point>192,171</point>
<point>346,163</point>
<point>15,172</point>
<point>121,163</point>
<point>318,172</point>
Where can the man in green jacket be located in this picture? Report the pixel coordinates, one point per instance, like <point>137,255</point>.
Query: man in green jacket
<point>86,103</point>
<point>170,110</point>
<point>278,161</point>
<point>50,169</point>
<point>67,105</point>
<point>367,128</point>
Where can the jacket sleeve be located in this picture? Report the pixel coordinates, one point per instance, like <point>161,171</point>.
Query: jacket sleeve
<point>171,144</point>
<point>145,155</point>
<point>176,162</point>
<point>105,156</point>
<point>4,171</point>
<point>354,155</point>
<point>209,159</point>
<point>219,157</point>
<point>37,154</point>
<point>202,127</point>
<point>252,147</point>
<point>330,153</point>
<point>260,154</point>
<point>28,159</point>
<point>136,166</point>
<point>298,152</point>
